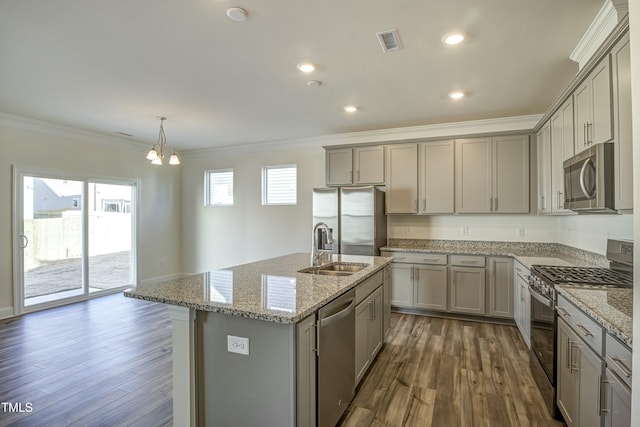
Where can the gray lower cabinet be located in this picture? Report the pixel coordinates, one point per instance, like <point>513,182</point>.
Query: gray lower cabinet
<point>580,367</point>
<point>500,296</point>
<point>430,287</point>
<point>522,301</point>
<point>467,290</point>
<point>369,334</point>
<point>467,284</point>
<point>402,285</point>
<point>306,369</point>
<point>617,403</point>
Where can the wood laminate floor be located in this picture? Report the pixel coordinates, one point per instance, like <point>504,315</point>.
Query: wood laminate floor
<point>102,362</point>
<point>107,362</point>
<point>446,373</point>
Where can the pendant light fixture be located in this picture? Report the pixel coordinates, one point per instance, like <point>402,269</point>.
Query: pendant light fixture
<point>156,154</point>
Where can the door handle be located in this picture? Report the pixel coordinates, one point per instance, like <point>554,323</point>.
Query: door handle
<point>584,134</point>
<point>25,241</point>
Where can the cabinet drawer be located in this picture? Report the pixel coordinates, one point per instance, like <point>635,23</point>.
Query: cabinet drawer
<point>619,359</point>
<point>521,271</point>
<point>467,261</point>
<point>419,258</point>
<point>586,328</point>
<point>369,285</point>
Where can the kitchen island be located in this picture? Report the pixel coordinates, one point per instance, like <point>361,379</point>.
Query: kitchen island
<point>262,304</point>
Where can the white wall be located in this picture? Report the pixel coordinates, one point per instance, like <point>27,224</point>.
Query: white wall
<point>215,237</point>
<point>32,144</point>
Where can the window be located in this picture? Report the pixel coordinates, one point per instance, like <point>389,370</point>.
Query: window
<point>279,185</point>
<point>218,187</point>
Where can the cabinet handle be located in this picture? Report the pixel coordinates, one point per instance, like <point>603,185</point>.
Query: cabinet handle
<point>589,133</point>
<point>468,262</point>
<point>569,354</point>
<point>495,207</point>
<point>430,259</point>
<point>411,273</point>
<point>490,204</point>
<point>351,176</point>
<point>424,204</point>
<point>316,326</point>
<point>603,397</point>
<point>372,314</point>
<point>599,405</point>
<point>572,365</point>
<point>564,312</point>
<point>625,370</point>
<point>417,274</point>
<point>541,203</point>
<point>584,330</point>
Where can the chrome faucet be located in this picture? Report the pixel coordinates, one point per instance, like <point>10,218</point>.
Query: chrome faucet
<point>320,246</point>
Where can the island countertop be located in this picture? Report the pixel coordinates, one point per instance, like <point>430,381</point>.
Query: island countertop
<point>270,290</point>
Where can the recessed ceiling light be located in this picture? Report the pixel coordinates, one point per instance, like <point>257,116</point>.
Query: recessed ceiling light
<point>350,108</point>
<point>314,83</point>
<point>306,67</point>
<point>237,14</point>
<point>456,94</point>
<point>452,38</point>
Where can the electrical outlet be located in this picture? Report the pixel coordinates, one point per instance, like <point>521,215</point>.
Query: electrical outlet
<point>464,230</point>
<point>520,232</point>
<point>238,345</point>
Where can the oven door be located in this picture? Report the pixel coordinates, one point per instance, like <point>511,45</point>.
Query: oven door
<point>543,332</point>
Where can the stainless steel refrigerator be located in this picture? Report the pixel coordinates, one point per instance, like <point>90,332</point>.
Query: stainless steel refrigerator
<point>355,215</point>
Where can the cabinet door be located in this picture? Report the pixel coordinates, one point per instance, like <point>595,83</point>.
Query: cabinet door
<point>369,165</point>
<point>467,290</point>
<point>623,138</point>
<point>375,337</point>
<point>617,410</point>
<point>363,311</point>
<point>338,168</point>
<point>526,313</point>
<point>544,168</point>
<point>582,115</point>
<point>473,175</point>
<point>386,301</point>
<point>402,178</point>
<point>436,167</point>
<point>430,287</point>
<point>568,385</point>
<point>306,375</point>
<point>561,149</point>
<point>590,369</point>
<point>600,129</point>
<point>500,287</point>
<point>402,285</point>
<point>511,174</point>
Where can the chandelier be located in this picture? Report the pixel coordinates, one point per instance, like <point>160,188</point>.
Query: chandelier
<point>156,154</point>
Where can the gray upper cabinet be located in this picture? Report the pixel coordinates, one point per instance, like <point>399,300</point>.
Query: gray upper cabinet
<point>339,166</point>
<point>621,73</point>
<point>511,174</point>
<point>592,104</point>
<point>492,175</point>
<point>358,166</point>
<point>473,175</point>
<point>562,146</point>
<point>544,168</point>
<point>402,178</point>
<point>436,168</point>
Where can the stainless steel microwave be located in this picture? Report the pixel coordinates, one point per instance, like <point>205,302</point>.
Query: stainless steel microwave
<point>589,180</point>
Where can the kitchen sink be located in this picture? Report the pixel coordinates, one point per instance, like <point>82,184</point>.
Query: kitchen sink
<point>335,269</point>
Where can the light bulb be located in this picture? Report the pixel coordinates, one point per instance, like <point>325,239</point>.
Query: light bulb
<point>153,154</point>
<point>174,160</point>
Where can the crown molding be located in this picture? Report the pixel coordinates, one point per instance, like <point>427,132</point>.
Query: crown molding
<point>40,126</point>
<point>442,130</point>
<point>602,25</point>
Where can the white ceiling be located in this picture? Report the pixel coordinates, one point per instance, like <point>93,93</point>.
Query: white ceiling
<point>113,66</point>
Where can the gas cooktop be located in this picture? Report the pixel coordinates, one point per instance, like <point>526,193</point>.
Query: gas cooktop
<point>583,276</point>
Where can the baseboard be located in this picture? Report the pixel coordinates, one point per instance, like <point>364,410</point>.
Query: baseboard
<point>6,312</point>
<point>160,279</point>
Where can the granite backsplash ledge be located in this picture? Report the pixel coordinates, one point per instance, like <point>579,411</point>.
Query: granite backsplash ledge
<point>499,248</point>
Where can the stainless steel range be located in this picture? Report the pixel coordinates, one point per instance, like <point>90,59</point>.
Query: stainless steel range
<point>544,320</point>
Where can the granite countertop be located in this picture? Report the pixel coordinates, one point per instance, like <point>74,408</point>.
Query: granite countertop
<point>270,290</point>
<point>612,308</point>
<point>528,253</point>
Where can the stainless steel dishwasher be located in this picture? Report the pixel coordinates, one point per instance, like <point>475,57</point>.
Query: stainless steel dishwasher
<point>336,358</point>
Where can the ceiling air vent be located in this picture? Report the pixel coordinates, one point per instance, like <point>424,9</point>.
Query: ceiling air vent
<point>389,40</point>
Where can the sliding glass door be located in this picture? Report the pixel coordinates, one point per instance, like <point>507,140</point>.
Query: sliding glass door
<point>72,237</point>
